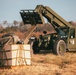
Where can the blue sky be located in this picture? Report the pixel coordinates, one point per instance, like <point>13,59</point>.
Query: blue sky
<point>9,9</point>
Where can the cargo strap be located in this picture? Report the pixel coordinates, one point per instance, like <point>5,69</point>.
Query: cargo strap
<point>20,57</point>
<point>3,57</point>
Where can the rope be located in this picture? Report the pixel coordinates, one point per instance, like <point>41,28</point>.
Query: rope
<point>20,57</point>
<point>4,56</point>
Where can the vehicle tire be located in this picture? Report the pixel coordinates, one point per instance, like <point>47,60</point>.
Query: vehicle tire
<point>35,48</point>
<point>59,47</point>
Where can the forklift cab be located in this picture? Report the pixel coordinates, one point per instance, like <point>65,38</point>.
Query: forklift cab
<point>72,39</point>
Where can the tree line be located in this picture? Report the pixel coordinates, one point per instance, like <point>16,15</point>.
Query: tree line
<point>19,26</point>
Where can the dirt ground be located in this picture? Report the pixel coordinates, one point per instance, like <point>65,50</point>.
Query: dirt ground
<point>46,63</point>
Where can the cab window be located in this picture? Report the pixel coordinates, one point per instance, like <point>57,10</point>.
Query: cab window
<point>72,33</point>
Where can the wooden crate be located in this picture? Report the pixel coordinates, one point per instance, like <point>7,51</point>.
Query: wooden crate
<point>15,55</point>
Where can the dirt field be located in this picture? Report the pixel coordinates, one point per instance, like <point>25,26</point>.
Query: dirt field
<point>46,63</point>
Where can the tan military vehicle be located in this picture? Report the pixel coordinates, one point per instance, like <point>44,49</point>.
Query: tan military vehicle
<point>59,42</point>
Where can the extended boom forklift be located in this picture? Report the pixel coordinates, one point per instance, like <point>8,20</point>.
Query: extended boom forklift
<point>59,42</point>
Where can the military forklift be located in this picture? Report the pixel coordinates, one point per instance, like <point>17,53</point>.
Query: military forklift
<point>64,39</point>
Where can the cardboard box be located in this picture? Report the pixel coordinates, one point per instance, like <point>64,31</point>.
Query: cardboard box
<point>17,54</point>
